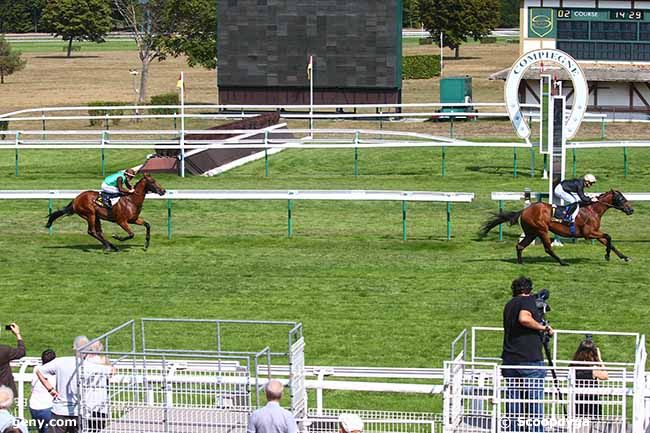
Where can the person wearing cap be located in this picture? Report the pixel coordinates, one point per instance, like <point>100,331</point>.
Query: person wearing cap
<point>116,185</point>
<point>7,420</point>
<point>572,191</point>
<point>350,423</point>
<point>272,418</point>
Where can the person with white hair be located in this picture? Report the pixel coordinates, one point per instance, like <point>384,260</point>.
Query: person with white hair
<point>272,418</point>
<point>350,423</point>
<point>65,409</point>
<point>7,420</point>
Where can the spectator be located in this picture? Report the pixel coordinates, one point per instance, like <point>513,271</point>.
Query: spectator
<point>8,354</point>
<point>96,398</point>
<point>40,402</point>
<point>272,418</point>
<point>589,371</point>
<point>65,410</point>
<point>350,423</point>
<point>7,420</point>
<point>522,346</point>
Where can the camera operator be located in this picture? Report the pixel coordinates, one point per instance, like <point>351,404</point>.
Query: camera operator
<point>522,346</point>
<point>8,354</point>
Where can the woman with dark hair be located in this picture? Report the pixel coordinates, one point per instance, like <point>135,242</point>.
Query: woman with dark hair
<point>589,370</point>
<point>40,402</point>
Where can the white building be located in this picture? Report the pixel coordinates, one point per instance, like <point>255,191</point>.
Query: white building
<point>609,38</point>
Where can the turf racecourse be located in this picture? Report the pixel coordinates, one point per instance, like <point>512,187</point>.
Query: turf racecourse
<point>364,296</point>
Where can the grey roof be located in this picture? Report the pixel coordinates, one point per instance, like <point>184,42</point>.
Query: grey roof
<point>593,72</point>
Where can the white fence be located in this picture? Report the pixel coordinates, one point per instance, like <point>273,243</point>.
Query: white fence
<point>288,195</point>
<point>193,393</point>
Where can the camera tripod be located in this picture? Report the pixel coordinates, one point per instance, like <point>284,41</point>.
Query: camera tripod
<point>545,337</point>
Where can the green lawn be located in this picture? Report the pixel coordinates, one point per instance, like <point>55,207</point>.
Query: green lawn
<point>58,46</point>
<point>365,297</point>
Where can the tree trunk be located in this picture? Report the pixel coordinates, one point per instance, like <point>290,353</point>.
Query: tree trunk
<point>2,77</point>
<point>457,52</point>
<point>69,46</point>
<point>144,75</point>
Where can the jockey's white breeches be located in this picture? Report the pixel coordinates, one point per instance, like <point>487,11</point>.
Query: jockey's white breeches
<point>110,189</point>
<point>568,198</point>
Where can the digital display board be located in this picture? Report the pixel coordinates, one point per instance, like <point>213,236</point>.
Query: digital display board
<point>267,43</point>
<point>594,34</point>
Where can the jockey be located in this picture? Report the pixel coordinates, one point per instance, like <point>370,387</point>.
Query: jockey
<point>116,185</point>
<point>572,191</point>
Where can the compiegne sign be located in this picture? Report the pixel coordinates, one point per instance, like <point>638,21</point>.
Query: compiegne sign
<point>566,62</point>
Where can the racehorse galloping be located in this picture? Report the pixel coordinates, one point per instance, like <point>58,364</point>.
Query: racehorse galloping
<point>126,211</point>
<point>536,222</point>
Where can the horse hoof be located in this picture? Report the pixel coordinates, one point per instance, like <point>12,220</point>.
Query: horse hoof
<point>626,258</point>
<point>607,258</point>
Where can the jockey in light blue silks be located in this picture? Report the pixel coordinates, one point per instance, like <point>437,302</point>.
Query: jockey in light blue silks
<point>572,191</point>
<point>116,185</point>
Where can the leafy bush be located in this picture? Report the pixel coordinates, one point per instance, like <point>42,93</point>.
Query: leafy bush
<point>489,40</point>
<point>165,99</point>
<point>425,41</point>
<point>420,67</point>
<point>99,112</point>
<point>4,125</point>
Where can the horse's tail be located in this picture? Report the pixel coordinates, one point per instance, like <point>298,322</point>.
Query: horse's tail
<point>500,218</point>
<point>58,214</point>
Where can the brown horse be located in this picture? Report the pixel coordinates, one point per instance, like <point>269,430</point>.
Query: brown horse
<point>126,211</point>
<point>536,222</point>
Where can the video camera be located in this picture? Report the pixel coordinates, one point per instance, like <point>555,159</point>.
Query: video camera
<point>540,301</point>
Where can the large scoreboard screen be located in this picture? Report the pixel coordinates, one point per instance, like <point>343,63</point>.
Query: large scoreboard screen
<point>594,34</point>
<point>267,43</point>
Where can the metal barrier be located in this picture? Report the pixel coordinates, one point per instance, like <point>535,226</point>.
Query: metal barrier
<point>205,390</point>
<point>486,397</point>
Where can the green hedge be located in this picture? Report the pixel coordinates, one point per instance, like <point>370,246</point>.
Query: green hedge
<point>489,40</point>
<point>420,67</point>
<point>93,112</point>
<point>4,125</point>
<point>425,41</point>
<point>165,99</point>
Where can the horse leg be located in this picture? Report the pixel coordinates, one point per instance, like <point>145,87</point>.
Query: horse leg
<point>100,233</point>
<point>606,240</point>
<point>92,231</point>
<point>126,228</point>
<point>549,249</point>
<point>528,238</point>
<point>146,225</point>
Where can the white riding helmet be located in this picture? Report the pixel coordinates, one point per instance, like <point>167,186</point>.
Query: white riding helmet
<point>589,178</point>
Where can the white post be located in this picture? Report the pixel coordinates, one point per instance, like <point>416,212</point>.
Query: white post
<point>182,141</point>
<point>311,96</point>
<point>441,53</point>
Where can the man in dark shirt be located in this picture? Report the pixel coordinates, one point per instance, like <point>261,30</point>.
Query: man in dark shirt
<point>8,354</point>
<point>522,346</point>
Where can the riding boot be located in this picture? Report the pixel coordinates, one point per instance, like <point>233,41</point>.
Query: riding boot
<point>107,201</point>
<point>572,228</point>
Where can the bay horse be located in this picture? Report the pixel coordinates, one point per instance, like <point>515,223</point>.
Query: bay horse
<point>125,211</point>
<point>536,222</point>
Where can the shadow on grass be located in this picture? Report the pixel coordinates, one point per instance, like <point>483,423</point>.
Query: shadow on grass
<point>64,57</point>
<point>87,248</point>
<point>534,260</point>
<point>491,169</point>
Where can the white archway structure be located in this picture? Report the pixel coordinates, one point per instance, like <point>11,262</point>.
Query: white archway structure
<point>566,62</point>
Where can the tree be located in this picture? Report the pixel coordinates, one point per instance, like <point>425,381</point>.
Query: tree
<point>10,61</point>
<point>411,14</point>
<point>509,13</point>
<point>459,20</point>
<point>81,20</point>
<point>171,27</point>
